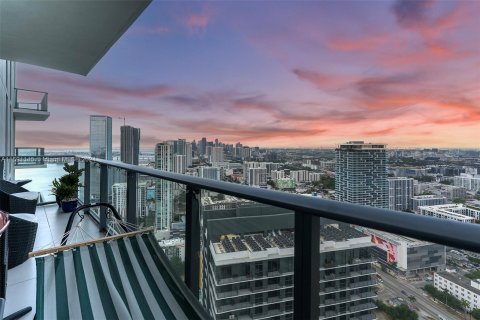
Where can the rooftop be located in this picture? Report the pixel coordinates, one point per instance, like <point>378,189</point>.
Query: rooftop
<point>459,280</point>
<point>360,145</point>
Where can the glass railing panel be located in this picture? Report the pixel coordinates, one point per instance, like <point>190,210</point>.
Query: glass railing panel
<point>117,190</point>
<point>146,201</point>
<point>94,187</point>
<point>42,175</point>
<point>409,278</point>
<point>348,276</point>
<point>31,99</point>
<point>247,258</point>
<point>81,190</point>
<point>168,219</point>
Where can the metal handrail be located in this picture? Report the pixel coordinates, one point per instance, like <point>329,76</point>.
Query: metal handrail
<point>446,232</point>
<point>450,233</point>
<point>29,90</point>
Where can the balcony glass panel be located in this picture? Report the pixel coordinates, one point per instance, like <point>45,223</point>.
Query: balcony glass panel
<point>30,99</point>
<point>41,175</point>
<point>247,251</point>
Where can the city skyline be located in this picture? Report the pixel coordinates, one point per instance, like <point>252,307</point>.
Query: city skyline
<point>404,73</point>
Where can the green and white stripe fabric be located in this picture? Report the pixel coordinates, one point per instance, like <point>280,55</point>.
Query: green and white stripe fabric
<point>120,279</point>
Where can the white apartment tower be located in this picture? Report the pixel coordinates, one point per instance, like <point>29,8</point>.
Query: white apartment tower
<point>119,199</point>
<point>361,174</point>
<point>209,173</point>
<point>257,177</point>
<point>216,155</point>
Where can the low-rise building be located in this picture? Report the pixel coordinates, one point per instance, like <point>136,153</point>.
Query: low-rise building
<point>426,200</point>
<point>406,256</point>
<point>456,212</point>
<point>460,287</point>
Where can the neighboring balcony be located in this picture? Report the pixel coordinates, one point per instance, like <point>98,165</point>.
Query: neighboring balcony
<point>29,157</point>
<point>31,105</point>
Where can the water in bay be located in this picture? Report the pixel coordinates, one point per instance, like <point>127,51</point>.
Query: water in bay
<point>41,179</point>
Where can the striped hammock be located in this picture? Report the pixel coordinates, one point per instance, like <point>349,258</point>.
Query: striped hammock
<point>120,279</point>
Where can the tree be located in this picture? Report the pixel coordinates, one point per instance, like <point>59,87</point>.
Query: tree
<point>272,184</point>
<point>412,298</point>
<point>475,314</point>
<point>466,306</point>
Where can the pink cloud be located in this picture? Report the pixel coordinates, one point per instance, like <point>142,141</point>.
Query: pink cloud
<point>197,22</point>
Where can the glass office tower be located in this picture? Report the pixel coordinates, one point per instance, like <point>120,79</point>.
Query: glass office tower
<point>101,137</point>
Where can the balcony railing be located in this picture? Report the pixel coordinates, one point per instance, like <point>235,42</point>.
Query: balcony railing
<point>31,99</point>
<point>23,154</point>
<point>307,214</point>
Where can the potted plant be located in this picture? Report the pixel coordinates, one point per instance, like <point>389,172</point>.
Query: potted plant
<point>66,187</point>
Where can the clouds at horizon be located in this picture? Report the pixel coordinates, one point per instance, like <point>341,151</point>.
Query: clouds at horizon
<point>404,72</point>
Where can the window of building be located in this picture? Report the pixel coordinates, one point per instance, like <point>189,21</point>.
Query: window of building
<point>258,269</point>
<point>273,266</point>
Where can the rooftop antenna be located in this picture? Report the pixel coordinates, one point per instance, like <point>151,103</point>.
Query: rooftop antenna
<point>123,120</point>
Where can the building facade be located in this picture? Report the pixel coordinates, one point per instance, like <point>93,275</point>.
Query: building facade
<point>468,181</point>
<point>455,212</point>
<point>361,174</point>
<point>129,144</point>
<point>460,287</point>
<point>7,122</point>
<point>427,200</point>
<point>119,199</point>
<point>406,256</point>
<point>101,137</point>
<point>257,177</point>
<point>248,265</point>
<point>163,188</point>
<point>400,191</point>
<point>209,172</point>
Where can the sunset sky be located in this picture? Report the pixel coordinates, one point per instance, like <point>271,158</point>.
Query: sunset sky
<point>278,74</point>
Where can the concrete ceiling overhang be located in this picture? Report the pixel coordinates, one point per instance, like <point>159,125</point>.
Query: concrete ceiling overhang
<point>67,35</point>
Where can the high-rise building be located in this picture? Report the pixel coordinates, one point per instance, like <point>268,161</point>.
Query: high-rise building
<point>216,155</point>
<point>277,174</point>
<point>189,152</point>
<point>257,177</point>
<point>180,147</point>
<point>400,192</point>
<point>209,173</point>
<point>248,252</point>
<point>163,188</point>
<point>361,174</point>
<point>202,146</point>
<point>129,144</point>
<point>119,199</point>
<point>299,175</point>
<point>468,181</point>
<point>179,164</point>
<point>101,137</point>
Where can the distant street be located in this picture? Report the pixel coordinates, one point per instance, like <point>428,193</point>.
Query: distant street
<point>393,287</point>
